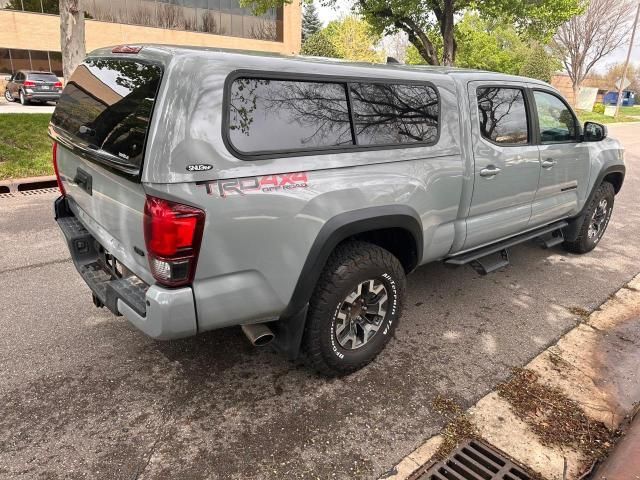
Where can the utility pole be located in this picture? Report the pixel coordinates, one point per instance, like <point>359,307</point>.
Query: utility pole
<point>626,63</point>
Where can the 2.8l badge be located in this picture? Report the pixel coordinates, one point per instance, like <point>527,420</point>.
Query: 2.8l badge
<point>199,167</point>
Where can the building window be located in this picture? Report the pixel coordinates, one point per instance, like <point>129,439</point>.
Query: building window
<point>220,17</point>
<point>13,59</point>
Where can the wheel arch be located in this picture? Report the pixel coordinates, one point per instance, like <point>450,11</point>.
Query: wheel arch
<point>390,227</point>
<point>614,175</point>
<point>615,178</point>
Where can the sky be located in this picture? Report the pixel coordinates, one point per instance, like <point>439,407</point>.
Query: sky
<point>343,7</point>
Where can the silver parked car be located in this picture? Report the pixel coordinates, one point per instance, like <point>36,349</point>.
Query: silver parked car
<point>27,86</point>
<point>205,188</point>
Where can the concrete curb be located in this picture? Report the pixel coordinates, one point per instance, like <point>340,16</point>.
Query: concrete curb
<point>594,365</point>
<point>30,183</point>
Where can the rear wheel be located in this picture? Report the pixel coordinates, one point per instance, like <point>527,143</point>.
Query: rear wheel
<point>23,99</point>
<point>8,96</point>
<point>595,220</point>
<point>355,308</point>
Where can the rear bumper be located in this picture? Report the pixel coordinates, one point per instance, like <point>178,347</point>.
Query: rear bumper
<point>45,97</point>
<point>159,312</point>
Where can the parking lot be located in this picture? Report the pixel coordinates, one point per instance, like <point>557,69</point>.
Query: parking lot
<point>85,395</point>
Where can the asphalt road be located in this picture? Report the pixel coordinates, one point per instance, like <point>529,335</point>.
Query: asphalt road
<point>85,395</point>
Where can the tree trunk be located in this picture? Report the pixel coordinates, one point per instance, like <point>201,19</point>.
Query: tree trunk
<point>445,19</point>
<point>71,35</point>
<point>576,92</point>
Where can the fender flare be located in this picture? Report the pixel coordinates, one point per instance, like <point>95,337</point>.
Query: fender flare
<point>290,327</point>
<point>571,232</point>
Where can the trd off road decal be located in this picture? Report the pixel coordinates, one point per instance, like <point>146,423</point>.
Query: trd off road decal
<point>265,184</point>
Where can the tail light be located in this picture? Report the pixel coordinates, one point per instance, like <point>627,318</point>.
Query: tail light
<point>57,85</point>
<point>29,83</point>
<point>54,155</point>
<point>172,233</point>
<point>126,49</point>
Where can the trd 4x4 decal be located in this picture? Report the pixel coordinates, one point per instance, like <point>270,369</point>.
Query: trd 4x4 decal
<point>265,183</point>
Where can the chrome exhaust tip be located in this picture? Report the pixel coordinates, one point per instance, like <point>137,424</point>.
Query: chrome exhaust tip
<point>258,334</point>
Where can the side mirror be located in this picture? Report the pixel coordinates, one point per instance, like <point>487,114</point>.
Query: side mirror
<point>8,79</point>
<point>594,132</point>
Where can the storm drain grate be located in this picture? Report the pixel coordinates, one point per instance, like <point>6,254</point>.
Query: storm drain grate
<point>474,460</point>
<point>39,191</point>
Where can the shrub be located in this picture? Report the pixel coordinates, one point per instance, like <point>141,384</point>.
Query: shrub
<point>598,108</point>
<point>319,45</point>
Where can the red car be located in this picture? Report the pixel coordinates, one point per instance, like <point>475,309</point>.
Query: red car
<point>28,86</point>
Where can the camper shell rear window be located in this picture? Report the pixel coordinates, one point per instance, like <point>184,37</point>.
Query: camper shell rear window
<point>105,111</point>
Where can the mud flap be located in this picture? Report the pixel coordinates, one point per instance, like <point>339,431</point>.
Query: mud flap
<point>288,334</point>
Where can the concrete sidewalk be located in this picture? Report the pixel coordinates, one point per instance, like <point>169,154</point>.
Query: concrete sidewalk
<point>15,107</point>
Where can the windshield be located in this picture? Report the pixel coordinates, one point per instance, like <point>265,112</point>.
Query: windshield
<point>105,109</point>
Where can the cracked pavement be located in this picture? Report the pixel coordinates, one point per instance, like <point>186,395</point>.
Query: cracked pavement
<point>85,395</point>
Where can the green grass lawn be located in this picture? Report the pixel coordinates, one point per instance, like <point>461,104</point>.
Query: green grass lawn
<point>635,110</point>
<point>585,116</point>
<point>25,148</point>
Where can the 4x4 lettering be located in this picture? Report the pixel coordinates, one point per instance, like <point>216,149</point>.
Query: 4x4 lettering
<point>265,184</point>
<point>269,180</point>
<point>293,178</point>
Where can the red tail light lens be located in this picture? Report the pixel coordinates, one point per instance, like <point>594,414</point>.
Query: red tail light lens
<point>172,233</point>
<point>126,49</point>
<point>57,85</point>
<point>29,83</point>
<point>54,156</point>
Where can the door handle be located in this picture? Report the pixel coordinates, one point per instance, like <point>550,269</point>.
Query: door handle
<point>548,163</point>
<point>490,171</point>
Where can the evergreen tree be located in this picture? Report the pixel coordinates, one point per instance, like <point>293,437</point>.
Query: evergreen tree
<point>310,21</point>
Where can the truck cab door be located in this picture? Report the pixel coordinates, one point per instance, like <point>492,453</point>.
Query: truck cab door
<point>564,159</point>
<point>507,164</point>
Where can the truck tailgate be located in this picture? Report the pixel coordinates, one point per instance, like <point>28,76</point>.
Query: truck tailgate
<point>100,126</point>
<point>111,207</point>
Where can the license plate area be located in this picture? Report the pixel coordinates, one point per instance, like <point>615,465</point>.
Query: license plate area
<point>110,264</point>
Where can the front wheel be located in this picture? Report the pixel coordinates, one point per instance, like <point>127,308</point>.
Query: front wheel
<point>355,308</point>
<point>8,96</point>
<point>595,220</point>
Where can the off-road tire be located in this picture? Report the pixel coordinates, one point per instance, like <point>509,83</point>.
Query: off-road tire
<point>350,264</point>
<point>583,243</point>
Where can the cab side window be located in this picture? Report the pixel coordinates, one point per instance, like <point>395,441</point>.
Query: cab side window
<point>503,115</point>
<point>557,123</point>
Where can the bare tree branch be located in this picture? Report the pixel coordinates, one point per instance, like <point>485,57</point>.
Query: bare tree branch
<point>586,39</point>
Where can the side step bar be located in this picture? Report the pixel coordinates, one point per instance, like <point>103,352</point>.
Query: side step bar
<point>496,256</point>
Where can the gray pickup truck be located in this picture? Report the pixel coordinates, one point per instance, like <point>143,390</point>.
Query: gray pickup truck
<point>291,196</point>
